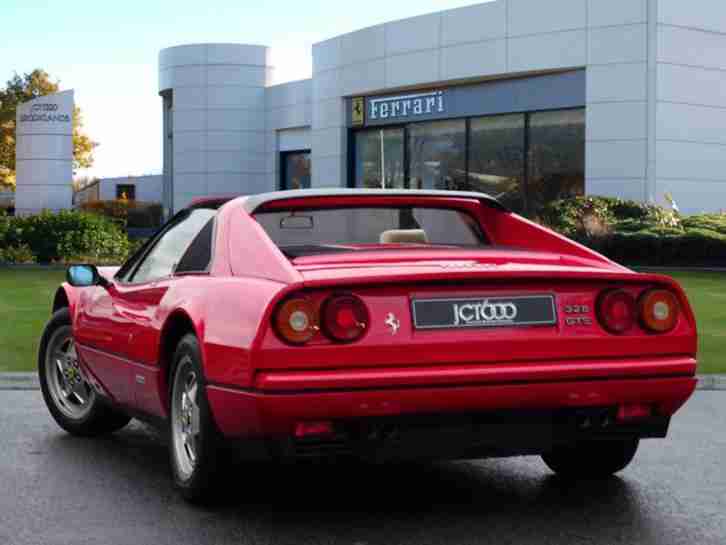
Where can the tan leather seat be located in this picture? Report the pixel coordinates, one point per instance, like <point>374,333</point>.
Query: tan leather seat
<point>404,236</point>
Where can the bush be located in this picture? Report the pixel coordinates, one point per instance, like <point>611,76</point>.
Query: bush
<point>640,234</point>
<point>17,254</point>
<point>65,236</point>
<point>572,216</point>
<point>129,214</point>
<point>710,222</point>
<point>115,210</point>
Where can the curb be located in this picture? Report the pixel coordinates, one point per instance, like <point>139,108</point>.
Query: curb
<point>712,382</point>
<point>29,381</point>
<point>19,381</point>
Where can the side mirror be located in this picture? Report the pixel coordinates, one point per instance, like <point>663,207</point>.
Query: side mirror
<point>83,276</point>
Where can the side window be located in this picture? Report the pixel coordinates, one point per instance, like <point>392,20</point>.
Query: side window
<point>171,246</point>
<point>199,254</point>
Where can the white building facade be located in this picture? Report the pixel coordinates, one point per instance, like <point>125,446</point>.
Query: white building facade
<point>523,99</point>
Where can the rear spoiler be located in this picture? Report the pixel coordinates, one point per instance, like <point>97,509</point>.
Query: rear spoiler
<point>255,202</point>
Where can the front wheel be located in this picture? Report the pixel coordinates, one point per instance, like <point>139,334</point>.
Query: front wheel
<point>70,399</point>
<point>591,459</point>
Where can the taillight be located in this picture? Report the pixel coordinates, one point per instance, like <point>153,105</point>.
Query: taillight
<point>616,311</point>
<point>344,318</point>
<point>297,321</point>
<point>658,310</point>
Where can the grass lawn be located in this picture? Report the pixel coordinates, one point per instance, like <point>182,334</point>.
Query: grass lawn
<point>707,294</point>
<point>25,300</point>
<point>26,297</point>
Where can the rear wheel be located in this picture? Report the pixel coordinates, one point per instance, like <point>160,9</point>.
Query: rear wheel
<point>195,443</point>
<point>591,459</point>
<point>70,399</point>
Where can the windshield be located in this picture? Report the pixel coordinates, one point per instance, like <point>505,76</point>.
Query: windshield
<point>309,232</point>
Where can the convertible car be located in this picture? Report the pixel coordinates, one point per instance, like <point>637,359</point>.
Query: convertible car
<point>375,324</point>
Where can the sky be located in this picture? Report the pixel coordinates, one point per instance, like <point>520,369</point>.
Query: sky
<point>107,52</point>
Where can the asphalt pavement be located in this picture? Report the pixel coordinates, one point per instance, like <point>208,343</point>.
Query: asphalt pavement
<point>56,489</point>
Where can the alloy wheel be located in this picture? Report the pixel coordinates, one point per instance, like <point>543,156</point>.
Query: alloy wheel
<point>185,417</point>
<point>70,391</point>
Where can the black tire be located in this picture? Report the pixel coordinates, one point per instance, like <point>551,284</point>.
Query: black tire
<point>197,481</point>
<point>96,417</point>
<point>591,459</point>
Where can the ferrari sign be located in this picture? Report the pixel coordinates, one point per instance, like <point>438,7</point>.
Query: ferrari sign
<point>544,92</point>
<point>358,108</point>
<point>399,108</point>
<point>406,106</point>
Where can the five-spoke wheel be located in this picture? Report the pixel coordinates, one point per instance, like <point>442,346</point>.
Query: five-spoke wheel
<point>185,416</point>
<point>70,391</point>
<point>71,400</point>
<point>195,442</point>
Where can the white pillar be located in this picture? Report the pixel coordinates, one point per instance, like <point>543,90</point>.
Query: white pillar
<point>44,154</point>
<point>217,146</point>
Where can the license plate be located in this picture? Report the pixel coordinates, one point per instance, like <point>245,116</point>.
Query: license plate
<point>484,312</point>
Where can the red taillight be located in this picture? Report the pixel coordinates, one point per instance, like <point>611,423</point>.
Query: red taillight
<point>616,311</point>
<point>658,310</point>
<point>297,321</point>
<point>344,318</point>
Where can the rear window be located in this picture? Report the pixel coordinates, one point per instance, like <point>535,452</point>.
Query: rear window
<point>308,232</point>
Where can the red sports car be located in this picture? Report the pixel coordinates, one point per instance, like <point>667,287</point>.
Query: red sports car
<point>379,324</point>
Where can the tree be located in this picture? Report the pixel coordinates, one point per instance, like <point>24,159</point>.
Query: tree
<point>20,89</point>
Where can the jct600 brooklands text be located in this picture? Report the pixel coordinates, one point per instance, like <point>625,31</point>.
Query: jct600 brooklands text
<point>484,312</point>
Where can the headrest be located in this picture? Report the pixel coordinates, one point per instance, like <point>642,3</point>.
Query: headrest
<point>404,236</point>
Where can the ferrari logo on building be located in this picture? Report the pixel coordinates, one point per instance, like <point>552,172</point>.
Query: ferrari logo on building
<point>358,108</point>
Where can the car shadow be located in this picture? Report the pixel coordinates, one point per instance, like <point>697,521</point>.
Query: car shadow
<point>516,499</point>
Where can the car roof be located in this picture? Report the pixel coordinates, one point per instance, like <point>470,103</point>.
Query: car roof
<point>255,202</point>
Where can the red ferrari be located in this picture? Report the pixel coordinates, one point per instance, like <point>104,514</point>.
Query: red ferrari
<point>378,324</point>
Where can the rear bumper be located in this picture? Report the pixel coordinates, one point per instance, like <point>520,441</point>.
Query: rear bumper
<point>281,399</point>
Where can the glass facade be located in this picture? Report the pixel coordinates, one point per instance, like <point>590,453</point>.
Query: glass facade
<point>295,170</point>
<point>525,160</point>
<point>496,158</point>
<point>437,154</point>
<point>556,157</point>
<point>379,161</point>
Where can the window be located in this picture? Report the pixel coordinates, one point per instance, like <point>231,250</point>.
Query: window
<point>496,159</point>
<point>437,155</point>
<point>304,232</point>
<point>379,158</point>
<point>295,170</point>
<point>524,160</point>
<point>126,191</point>
<point>199,254</point>
<point>556,157</point>
<point>171,245</point>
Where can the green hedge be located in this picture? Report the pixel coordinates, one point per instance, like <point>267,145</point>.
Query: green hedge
<point>130,214</point>
<point>634,233</point>
<point>62,236</point>
<point>626,231</point>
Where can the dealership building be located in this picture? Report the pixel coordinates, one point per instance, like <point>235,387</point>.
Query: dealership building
<point>527,100</point>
